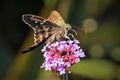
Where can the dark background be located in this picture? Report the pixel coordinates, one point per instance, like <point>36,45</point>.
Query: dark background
<point>101,19</point>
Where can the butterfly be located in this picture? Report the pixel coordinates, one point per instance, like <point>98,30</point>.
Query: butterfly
<point>46,30</point>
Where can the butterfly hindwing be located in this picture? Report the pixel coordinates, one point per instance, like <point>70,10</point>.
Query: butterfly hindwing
<point>56,18</point>
<point>34,46</point>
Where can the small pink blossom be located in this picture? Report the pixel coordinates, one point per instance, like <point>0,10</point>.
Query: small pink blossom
<point>59,56</point>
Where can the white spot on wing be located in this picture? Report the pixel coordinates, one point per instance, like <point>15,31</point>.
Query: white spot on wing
<point>33,16</point>
<point>44,21</point>
<point>41,23</point>
<point>36,21</point>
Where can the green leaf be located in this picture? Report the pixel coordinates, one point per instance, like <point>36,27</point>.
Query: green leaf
<point>97,69</point>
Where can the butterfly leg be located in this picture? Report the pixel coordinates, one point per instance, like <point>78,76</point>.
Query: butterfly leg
<point>65,35</point>
<point>73,31</point>
<point>71,35</point>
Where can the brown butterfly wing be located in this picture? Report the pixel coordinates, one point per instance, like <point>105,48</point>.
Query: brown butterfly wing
<point>43,29</point>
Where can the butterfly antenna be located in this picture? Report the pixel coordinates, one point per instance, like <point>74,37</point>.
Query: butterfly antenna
<point>71,35</point>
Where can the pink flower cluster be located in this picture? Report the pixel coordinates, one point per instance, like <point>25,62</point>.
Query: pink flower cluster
<point>59,56</point>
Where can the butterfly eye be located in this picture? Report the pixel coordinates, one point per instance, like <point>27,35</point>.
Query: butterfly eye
<point>68,28</point>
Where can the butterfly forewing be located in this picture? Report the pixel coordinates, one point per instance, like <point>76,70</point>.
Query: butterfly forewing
<point>56,18</point>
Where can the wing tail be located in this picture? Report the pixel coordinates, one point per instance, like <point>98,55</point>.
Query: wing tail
<point>35,46</point>
<point>29,49</point>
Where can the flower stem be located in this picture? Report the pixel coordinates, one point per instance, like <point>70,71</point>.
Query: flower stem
<point>65,76</point>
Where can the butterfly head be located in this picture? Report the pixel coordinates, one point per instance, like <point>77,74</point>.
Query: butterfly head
<point>67,26</point>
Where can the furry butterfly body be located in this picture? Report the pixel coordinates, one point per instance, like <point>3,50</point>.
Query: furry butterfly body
<point>46,30</point>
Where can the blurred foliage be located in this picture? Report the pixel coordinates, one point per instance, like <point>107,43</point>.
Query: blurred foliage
<point>100,18</point>
<point>99,69</point>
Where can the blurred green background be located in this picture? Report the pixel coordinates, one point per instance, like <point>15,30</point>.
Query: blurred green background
<point>100,18</point>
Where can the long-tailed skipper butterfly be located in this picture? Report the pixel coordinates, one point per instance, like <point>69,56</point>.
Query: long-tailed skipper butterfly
<point>46,30</point>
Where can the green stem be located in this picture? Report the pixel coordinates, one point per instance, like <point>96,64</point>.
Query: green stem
<point>65,76</point>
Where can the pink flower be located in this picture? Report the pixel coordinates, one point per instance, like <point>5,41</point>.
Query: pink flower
<point>59,56</point>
